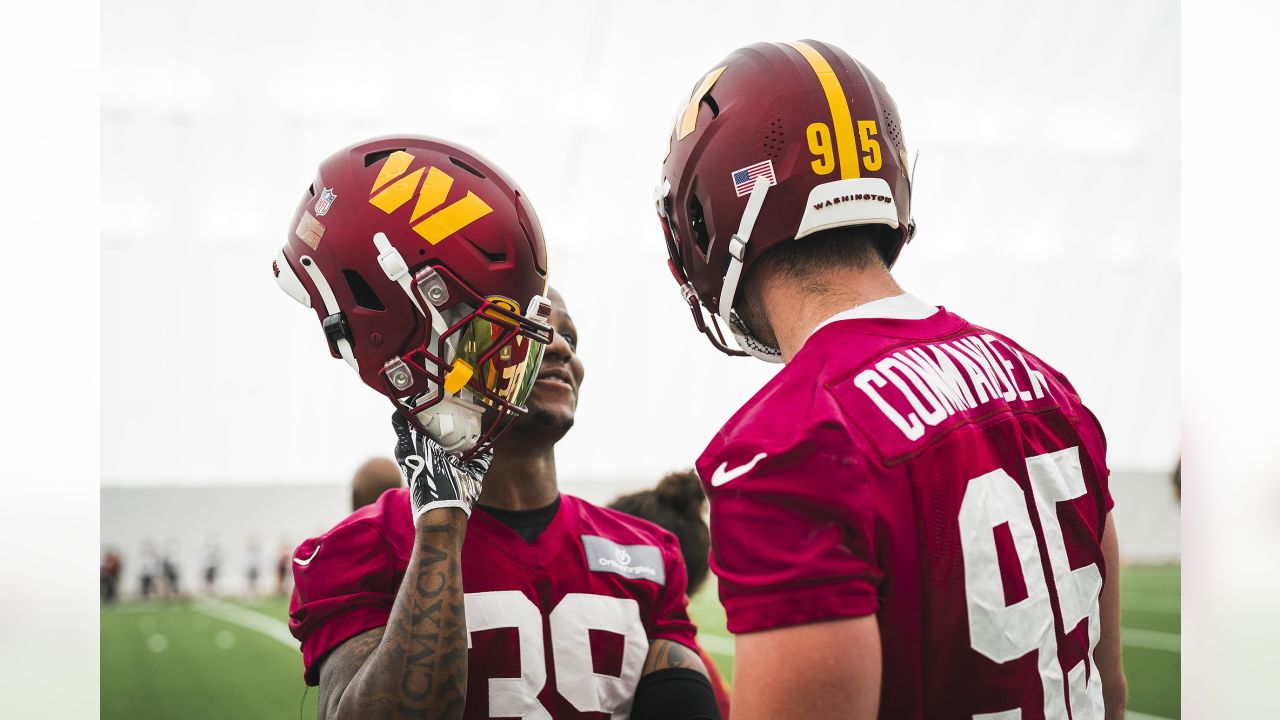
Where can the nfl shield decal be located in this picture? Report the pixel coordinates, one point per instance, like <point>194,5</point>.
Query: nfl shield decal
<point>327,196</point>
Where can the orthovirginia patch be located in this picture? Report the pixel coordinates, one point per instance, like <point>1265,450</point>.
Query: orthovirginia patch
<point>634,562</point>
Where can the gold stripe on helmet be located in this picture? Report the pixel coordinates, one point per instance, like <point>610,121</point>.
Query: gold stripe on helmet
<point>841,122</point>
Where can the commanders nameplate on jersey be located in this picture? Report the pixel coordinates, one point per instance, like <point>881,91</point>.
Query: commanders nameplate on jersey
<point>635,562</point>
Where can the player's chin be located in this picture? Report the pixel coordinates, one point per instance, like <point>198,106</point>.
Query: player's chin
<point>550,407</point>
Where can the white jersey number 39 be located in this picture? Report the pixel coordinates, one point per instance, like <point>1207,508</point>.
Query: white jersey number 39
<point>1004,633</point>
<point>571,622</point>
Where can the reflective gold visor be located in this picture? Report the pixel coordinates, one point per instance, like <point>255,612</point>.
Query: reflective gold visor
<point>509,373</point>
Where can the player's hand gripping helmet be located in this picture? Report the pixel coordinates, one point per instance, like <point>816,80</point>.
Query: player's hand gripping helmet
<point>777,141</point>
<point>426,266</point>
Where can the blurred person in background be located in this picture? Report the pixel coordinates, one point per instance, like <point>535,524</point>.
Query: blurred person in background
<point>570,610</point>
<point>109,576</point>
<point>1177,481</point>
<point>282,566</point>
<point>148,570</point>
<point>374,477</point>
<point>212,561</point>
<point>912,517</point>
<point>677,505</point>
<point>170,570</point>
<point>253,565</point>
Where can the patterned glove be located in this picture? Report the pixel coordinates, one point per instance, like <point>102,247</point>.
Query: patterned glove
<point>436,478</point>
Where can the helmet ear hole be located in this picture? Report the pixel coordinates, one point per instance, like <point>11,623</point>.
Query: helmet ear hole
<point>364,295</point>
<point>698,225</point>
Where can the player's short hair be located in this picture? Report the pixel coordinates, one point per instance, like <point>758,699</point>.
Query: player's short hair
<point>676,505</point>
<point>858,247</point>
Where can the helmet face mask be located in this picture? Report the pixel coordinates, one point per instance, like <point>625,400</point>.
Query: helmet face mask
<point>427,268</point>
<point>778,141</point>
<point>486,359</point>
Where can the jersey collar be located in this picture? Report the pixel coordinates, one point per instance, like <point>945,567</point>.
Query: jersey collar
<point>899,307</point>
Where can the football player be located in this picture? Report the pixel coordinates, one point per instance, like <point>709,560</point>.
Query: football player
<point>914,512</point>
<point>427,267</point>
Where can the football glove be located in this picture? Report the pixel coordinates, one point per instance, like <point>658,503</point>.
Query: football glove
<point>437,478</point>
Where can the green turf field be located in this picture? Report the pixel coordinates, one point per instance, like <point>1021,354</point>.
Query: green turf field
<point>201,659</point>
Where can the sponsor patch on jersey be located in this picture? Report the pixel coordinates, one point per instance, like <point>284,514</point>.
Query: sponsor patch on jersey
<point>309,230</point>
<point>635,562</point>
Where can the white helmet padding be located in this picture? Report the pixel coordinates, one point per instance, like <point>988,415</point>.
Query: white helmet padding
<point>855,201</point>
<point>289,282</point>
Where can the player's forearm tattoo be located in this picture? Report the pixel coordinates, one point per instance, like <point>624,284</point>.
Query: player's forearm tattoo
<point>418,667</point>
<point>665,654</point>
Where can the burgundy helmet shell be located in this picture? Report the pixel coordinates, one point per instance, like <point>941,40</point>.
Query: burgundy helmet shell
<point>426,267</point>
<point>777,141</point>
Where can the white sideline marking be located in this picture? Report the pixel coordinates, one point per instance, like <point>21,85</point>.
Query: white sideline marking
<point>249,619</point>
<point>1131,715</point>
<point>1151,639</point>
<point>146,609</point>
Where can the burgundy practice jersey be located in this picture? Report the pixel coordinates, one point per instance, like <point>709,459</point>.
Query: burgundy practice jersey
<point>559,628</point>
<point>940,476</point>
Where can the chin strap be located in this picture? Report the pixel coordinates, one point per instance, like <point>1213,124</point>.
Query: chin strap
<point>729,290</point>
<point>397,270</point>
<point>738,248</point>
<point>331,310</point>
<point>394,266</point>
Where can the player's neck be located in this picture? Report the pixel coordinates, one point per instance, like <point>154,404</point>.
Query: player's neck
<point>522,477</point>
<point>795,309</point>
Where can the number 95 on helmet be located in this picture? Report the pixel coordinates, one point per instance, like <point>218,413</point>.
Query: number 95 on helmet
<point>427,269</point>
<point>776,142</point>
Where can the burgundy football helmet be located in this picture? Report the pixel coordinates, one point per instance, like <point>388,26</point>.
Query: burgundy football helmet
<point>426,266</point>
<point>778,141</point>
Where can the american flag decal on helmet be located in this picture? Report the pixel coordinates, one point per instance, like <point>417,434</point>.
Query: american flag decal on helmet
<point>745,179</point>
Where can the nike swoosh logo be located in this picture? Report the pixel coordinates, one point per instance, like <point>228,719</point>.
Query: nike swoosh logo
<point>723,474</point>
<point>306,562</point>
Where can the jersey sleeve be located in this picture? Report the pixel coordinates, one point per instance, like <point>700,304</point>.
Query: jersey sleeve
<point>792,537</point>
<point>1092,437</point>
<point>344,584</point>
<point>1095,442</point>
<point>671,615</point>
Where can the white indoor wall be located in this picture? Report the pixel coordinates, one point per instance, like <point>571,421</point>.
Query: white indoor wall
<point>1046,194</point>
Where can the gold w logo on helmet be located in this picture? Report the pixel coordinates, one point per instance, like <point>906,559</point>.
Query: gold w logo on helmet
<point>393,189</point>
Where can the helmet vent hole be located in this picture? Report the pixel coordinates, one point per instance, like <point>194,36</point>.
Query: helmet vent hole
<point>467,167</point>
<point>891,127</point>
<point>496,257</point>
<point>771,137</point>
<point>711,103</point>
<point>698,224</point>
<point>374,157</point>
<point>364,295</point>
